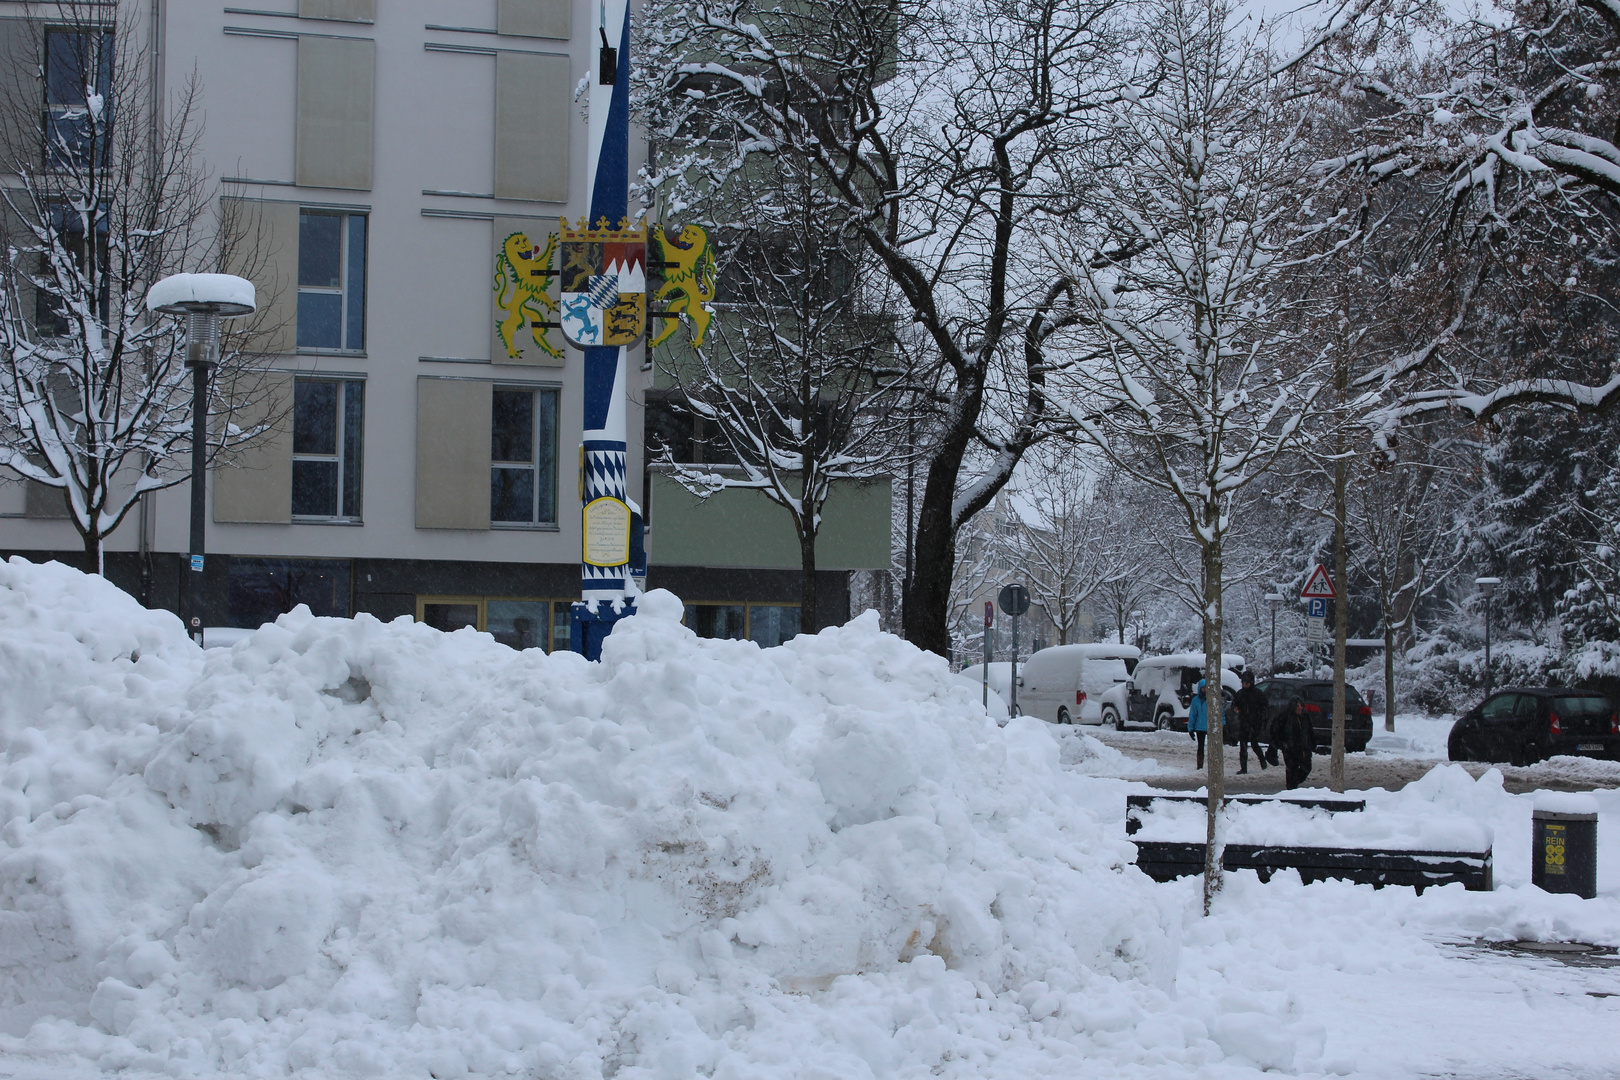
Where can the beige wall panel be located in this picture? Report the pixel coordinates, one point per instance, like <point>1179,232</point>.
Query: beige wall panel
<point>21,42</point>
<point>340,10</point>
<point>534,18</point>
<point>533,99</point>
<point>264,249</point>
<point>253,484</point>
<point>741,528</point>
<point>452,453</point>
<point>336,79</point>
<point>524,295</point>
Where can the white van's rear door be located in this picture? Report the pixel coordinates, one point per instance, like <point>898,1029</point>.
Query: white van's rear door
<point>1097,676</point>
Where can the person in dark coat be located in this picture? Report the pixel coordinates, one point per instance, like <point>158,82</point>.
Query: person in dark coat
<point>1298,740</point>
<point>1249,710</point>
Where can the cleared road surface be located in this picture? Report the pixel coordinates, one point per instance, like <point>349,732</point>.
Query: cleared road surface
<point>1391,762</point>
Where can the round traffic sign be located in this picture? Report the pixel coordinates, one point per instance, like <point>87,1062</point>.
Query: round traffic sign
<point>1014,599</point>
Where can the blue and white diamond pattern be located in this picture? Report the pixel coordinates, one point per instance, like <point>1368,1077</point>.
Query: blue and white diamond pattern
<point>603,290</point>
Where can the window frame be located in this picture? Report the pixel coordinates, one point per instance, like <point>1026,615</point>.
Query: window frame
<point>53,112</point>
<point>344,289</point>
<point>748,607</point>
<point>340,437</point>
<point>534,390</point>
<point>482,604</point>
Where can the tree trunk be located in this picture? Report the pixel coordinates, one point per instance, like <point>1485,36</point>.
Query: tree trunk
<point>1341,617</point>
<point>929,605</point>
<point>1213,702</point>
<point>808,622</point>
<point>94,561</point>
<point>1389,677</point>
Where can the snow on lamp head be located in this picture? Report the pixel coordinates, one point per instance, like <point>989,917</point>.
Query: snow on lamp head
<point>203,299</point>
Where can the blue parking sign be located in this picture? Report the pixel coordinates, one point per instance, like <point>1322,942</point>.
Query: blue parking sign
<point>1317,609</point>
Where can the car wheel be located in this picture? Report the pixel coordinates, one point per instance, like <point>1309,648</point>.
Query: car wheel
<point>1162,719</point>
<point>1063,715</point>
<point>1456,749</point>
<point>1111,718</point>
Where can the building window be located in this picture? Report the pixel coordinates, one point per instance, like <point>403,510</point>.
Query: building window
<point>331,280</point>
<point>516,622</point>
<point>766,625</point>
<point>261,589</point>
<point>328,434</point>
<point>78,98</point>
<point>688,438</point>
<point>523,457</point>
<point>67,226</point>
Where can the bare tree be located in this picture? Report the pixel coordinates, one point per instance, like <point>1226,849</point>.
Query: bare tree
<point>107,197</point>
<point>800,382</point>
<point>1070,539</point>
<point>941,129</point>
<point>1199,364</point>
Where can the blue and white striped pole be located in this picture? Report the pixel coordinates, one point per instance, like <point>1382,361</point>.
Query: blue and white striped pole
<point>607,592</point>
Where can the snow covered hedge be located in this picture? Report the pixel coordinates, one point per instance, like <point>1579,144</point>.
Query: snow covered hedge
<point>361,848</point>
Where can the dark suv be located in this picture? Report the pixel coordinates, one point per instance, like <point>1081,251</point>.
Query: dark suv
<point>1317,694</point>
<point>1525,724</point>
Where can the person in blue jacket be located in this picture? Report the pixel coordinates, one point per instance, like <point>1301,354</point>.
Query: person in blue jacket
<point>1198,720</point>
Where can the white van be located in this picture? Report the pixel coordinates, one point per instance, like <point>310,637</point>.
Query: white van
<point>1062,684</point>
<point>1160,689</point>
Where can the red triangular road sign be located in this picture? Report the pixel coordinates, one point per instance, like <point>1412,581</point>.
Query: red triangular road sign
<point>1319,586</point>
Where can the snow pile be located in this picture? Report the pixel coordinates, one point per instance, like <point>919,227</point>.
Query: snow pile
<point>360,848</point>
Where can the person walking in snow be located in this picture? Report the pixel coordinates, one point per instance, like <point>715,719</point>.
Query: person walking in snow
<point>1249,710</point>
<point>1298,740</point>
<point>1198,720</point>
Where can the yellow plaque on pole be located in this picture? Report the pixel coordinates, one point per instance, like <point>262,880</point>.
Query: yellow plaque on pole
<point>607,532</point>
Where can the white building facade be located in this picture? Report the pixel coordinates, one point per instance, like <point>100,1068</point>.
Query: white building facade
<point>402,167</point>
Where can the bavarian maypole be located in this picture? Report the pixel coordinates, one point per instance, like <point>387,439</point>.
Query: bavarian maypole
<point>604,313</point>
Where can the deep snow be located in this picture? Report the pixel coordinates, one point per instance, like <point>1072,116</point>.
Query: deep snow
<point>349,848</point>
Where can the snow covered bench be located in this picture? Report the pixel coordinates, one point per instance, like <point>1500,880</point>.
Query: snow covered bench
<point>1305,835</point>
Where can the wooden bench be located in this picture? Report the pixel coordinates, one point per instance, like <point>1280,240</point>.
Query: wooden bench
<point>1135,804</point>
<point>1165,860</point>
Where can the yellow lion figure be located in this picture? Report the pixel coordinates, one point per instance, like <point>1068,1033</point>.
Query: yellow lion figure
<point>689,278</point>
<point>522,275</point>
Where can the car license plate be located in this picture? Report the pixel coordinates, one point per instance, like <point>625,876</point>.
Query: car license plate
<point>1589,746</point>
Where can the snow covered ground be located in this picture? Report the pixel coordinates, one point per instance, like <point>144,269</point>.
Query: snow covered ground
<point>349,848</point>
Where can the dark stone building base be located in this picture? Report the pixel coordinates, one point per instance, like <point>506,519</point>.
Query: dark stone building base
<point>388,588</point>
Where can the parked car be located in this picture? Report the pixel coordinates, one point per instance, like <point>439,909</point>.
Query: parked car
<point>1062,684</point>
<point>995,706</point>
<point>1160,689</point>
<point>1317,694</point>
<point>1000,677</point>
<point>1525,724</point>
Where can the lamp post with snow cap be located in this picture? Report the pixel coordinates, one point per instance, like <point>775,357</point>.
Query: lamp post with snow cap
<point>204,299</point>
<point>1275,601</point>
<point>1487,586</point>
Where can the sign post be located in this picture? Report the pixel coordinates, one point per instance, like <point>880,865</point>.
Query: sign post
<point>1014,600</point>
<point>1317,592</point>
<point>989,625</point>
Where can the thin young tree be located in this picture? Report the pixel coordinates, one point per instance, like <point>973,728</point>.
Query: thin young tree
<point>107,197</point>
<point>1069,539</point>
<point>1199,363</point>
<point>800,382</point>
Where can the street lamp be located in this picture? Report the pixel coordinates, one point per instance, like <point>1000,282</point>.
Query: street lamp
<point>1487,585</point>
<point>1275,600</point>
<point>203,299</point>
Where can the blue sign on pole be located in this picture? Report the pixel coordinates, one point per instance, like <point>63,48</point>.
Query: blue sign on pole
<point>1317,609</point>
